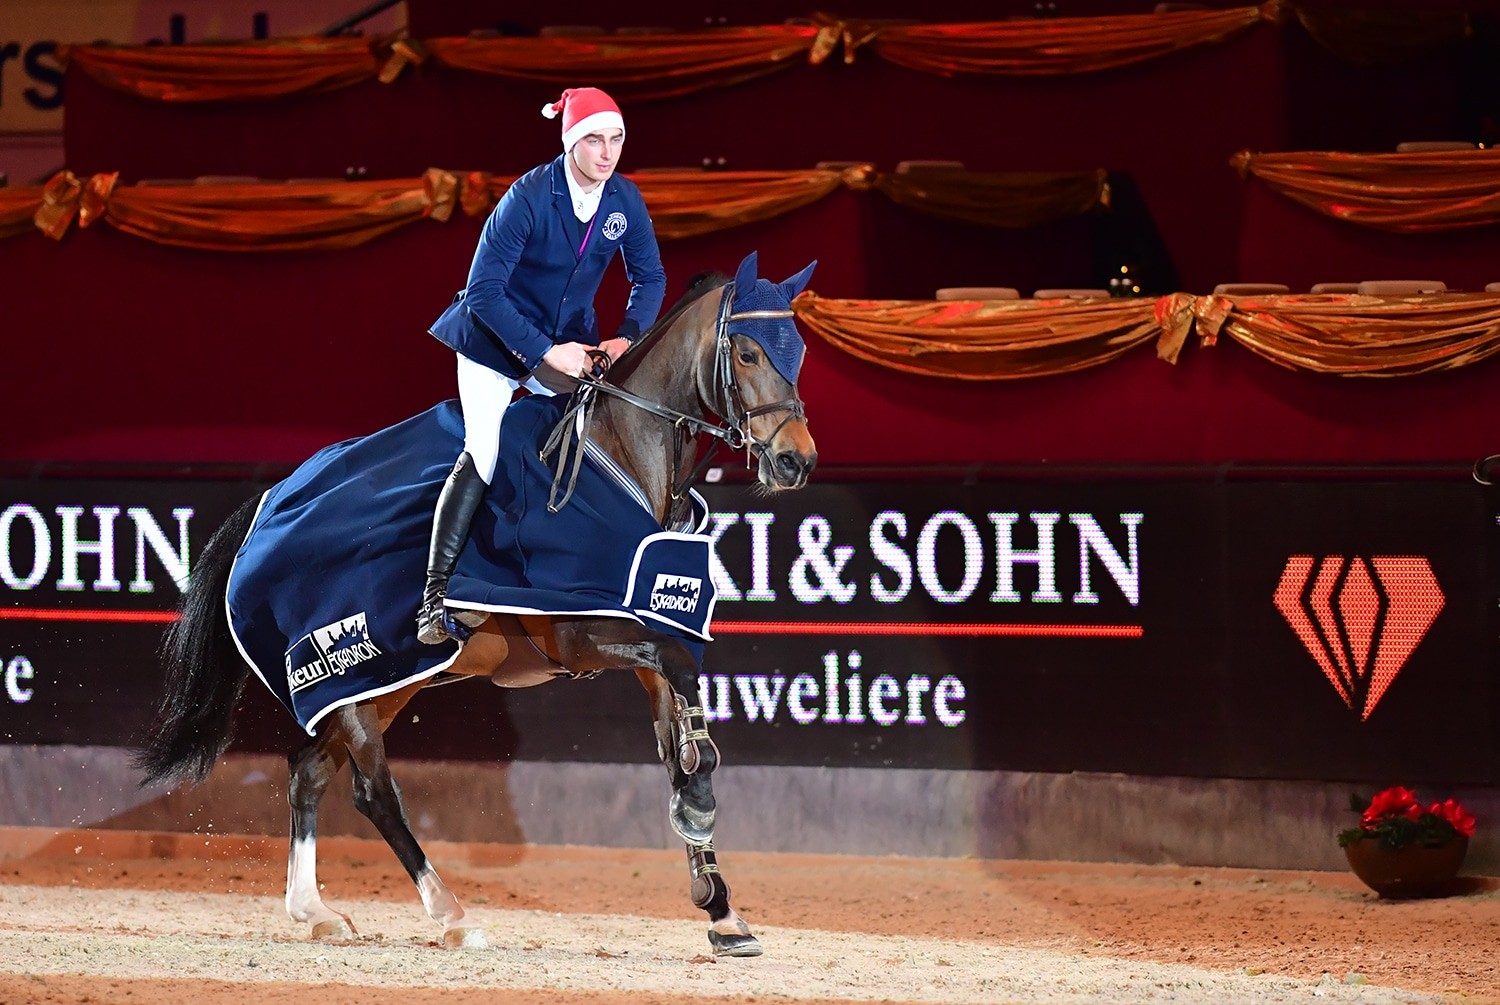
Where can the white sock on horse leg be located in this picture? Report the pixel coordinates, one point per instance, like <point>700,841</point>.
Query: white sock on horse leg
<point>303,902</point>
<point>730,924</point>
<point>441,905</point>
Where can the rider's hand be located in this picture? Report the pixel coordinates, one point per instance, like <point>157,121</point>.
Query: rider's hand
<point>569,358</point>
<point>615,347</point>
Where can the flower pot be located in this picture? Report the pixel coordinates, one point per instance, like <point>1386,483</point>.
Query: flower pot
<point>1413,871</point>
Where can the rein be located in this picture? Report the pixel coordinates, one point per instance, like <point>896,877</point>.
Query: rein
<point>734,431</point>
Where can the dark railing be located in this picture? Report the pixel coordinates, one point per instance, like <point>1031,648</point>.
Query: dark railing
<point>359,17</point>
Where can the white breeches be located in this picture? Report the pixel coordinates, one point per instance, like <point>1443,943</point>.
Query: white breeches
<point>485,395</point>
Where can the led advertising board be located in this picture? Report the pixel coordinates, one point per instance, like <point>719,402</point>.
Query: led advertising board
<point>1328,629</point>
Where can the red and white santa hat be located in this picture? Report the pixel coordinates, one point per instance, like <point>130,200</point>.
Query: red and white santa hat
<point>584,110</point>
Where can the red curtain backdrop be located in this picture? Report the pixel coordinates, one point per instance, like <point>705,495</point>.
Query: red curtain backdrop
<point>181,355</point>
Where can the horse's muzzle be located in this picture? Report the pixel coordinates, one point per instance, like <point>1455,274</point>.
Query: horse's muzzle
<point>790,470</point>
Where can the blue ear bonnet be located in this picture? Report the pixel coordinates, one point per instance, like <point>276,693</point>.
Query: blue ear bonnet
<point>777,336</point>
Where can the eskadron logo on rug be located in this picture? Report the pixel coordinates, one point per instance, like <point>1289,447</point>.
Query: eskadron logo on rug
<point>332,649</point>
<point>675,593</point>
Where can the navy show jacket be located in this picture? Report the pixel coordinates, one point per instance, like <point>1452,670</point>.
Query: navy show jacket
<point>530,288</point>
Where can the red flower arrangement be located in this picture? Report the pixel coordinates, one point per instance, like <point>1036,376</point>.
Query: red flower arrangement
<point>1397,819</point>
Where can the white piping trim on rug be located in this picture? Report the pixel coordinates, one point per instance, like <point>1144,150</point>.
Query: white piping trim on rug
<point>311,723</point>
<point>608,465</point>
<point>635,566</point>
<point>229,583</point>
<point>470,605</point>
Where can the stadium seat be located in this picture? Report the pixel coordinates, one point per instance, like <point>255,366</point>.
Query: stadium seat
<point>1250,289</point>
<point>978,293</point>
<point>908,167</point>
<point>1433,146</point>
<point>1401,287</point>
<point>1070,294</point>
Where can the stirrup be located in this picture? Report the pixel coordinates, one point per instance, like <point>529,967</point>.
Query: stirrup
<point>436,627</point>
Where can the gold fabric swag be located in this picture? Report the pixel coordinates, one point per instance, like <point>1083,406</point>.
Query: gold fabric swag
<point>1345,335</point>
<point>640,67</point>
<point>323,216</point>
<point>1403,192</point>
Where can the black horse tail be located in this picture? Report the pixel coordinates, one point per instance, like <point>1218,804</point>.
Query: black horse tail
<point>205,673</point>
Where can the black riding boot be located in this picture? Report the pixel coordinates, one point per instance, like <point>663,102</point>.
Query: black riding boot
<point>450,528</point>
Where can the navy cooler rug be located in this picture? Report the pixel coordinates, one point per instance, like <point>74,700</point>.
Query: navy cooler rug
<point>324,592</point>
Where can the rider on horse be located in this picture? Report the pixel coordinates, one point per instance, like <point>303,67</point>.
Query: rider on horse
<point>529,301</point>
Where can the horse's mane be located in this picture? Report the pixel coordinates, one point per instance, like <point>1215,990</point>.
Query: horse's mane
<point>700,286</point>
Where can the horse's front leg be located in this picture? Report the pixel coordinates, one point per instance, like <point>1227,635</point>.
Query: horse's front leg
<point>683,743</point>
<point>379,799</point>
<point>727,932</point>
<point>689,753</point>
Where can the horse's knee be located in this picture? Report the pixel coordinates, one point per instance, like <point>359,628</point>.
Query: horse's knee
<point>696,750</point>
<point>705,757</point>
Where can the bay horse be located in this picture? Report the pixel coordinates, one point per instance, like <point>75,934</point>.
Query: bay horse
<point>697,371</point>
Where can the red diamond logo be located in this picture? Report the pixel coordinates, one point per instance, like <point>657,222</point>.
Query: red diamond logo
<point>1360,618</point>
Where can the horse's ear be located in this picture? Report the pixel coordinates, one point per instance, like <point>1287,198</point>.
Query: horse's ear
<point>798,283</point>
<point>744,276</point>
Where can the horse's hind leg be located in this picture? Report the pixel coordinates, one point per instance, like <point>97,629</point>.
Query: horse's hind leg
<point>727,932</point>
<point>377,796</point>
<point>310,769</point>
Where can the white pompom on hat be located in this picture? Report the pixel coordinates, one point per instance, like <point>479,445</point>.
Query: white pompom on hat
<point>584,110</point>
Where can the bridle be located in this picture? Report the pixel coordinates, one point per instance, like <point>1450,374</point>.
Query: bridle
<point>732,431</point>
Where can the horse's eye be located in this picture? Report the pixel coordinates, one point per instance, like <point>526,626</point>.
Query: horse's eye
<point>748,358</point>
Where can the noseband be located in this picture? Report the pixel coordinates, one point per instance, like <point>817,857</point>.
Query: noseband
<point>736,429</point>
<point>733,432</point>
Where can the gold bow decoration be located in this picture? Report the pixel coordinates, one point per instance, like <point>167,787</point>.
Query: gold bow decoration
<point>1273,12</point>
<point>440,191</point>
<point>65,196</point>
<point>859,177</point>
<point>1212,311</point>
<point>833,30</point>
<point>1174,316</point>
<point>60,198</point>
<point>396,52</point>
<point>474,193</point>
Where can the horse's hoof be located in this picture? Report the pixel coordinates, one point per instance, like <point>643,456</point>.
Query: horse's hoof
<point>691,825</point>
<point>734,945</point>
<point>465,938</point>
<point>336,930</point>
